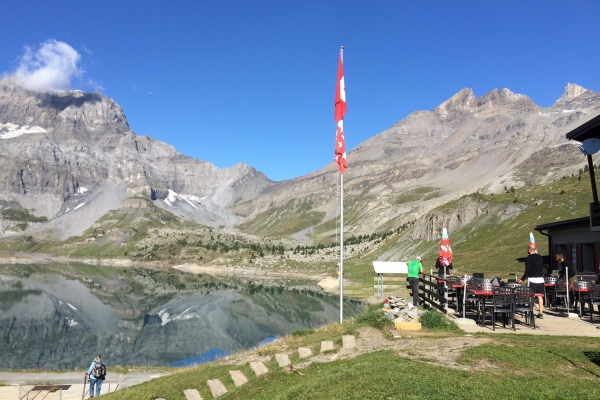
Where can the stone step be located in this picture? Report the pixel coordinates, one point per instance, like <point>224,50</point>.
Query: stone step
<point>192,394</point>
<point>326,345</point>
<point>216,387</point>
<point>349,342</point>
<point>238,377</point>
<point>258,368</point>
<point>283,360</point>
<point>304,352</point>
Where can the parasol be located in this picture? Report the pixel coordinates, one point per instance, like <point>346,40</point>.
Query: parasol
<point>531,239</point>
<point>445,254</point>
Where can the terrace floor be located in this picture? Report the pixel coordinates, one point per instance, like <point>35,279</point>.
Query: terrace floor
<point>555,322</point>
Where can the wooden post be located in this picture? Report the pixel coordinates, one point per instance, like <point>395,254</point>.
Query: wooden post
<point>592,178</point>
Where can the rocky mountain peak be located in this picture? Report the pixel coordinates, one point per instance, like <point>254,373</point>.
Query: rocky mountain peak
<point>464,100</point>
<point>73,114</point>
<point>572,90</point>
<point>61,150</point>
<point>575,97</point>
<point>504,97</point>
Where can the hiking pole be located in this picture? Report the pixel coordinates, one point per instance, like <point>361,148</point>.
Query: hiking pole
<point>119,384</point>
<point>84,382</point>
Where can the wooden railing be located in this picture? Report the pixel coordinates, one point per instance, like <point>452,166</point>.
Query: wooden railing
<point>433,293</point>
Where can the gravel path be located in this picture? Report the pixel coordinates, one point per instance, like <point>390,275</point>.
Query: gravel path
<point>72,378</point>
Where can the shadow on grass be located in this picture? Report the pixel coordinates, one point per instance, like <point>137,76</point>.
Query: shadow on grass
<point>593,356</point>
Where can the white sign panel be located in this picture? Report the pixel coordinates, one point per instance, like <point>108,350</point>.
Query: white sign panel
<point>390,267</point>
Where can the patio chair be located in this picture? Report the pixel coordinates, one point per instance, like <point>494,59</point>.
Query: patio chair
<point>471,299</point>
<point>560,292</point>
<point>594,300</point>
<point>502,304</point>
<point>524,300</point>
<point>549,283</point>
<point>582,295</point>
<point>453,293</point>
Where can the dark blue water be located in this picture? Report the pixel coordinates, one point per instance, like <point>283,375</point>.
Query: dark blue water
<point>212,355</point>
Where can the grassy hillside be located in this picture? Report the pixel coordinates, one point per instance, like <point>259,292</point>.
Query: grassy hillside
<point>416,366</point>
<point>292,217</point>
<point>492,241</point>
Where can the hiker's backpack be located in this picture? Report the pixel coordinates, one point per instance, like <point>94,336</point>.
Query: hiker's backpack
<point>99,371</point>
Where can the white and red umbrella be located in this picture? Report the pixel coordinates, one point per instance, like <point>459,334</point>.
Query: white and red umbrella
<point>445,255</point>
<point>531,239</point>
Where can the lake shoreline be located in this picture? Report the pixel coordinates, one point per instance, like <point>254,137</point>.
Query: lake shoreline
<point>328,283</point>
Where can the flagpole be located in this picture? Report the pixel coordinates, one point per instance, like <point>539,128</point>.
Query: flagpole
<point>340,159</point>
<point>341,233</point>
<point>341,248</point>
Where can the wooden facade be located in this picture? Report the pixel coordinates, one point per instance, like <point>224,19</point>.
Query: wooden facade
<point>576,242</point>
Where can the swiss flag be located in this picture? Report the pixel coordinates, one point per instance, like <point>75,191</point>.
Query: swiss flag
<point>340,111</point>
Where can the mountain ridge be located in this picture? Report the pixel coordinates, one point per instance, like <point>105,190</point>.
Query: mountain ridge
<point>59,151</point>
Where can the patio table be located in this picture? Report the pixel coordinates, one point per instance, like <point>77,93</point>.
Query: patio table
<point>481,295</point>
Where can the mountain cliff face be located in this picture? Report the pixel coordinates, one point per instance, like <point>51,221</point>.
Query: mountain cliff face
<point>57,150</point>
<point>72,157</point>
<point>464,145</point>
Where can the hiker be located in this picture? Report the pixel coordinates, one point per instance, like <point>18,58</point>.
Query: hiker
<point>443,267</point>
<point>97,374</point>
<point>564,266</point>
<point>534,273</point>
<point>414,269</point>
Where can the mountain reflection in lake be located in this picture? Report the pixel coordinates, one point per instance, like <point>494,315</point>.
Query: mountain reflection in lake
<point>59,317</point>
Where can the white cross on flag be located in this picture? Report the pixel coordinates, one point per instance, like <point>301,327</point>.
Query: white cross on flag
<point>340,111</point>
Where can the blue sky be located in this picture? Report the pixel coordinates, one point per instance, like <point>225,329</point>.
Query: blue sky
<point>254,81</point>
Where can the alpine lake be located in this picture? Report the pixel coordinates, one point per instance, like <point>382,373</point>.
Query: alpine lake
<point>58,316</point>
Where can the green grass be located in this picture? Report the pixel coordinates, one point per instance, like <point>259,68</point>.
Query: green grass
<point>284,220</point>
<point>509,367</point>
<point>417,194</point>
<point>21,215</point>
<point>503,367</point>
<point>567,356</point>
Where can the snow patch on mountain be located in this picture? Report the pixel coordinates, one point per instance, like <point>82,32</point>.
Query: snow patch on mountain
<point>9,131</point>
<point>174,196</point>
<point>166,317</point>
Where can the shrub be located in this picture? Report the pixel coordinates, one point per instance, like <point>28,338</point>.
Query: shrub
<point>374,316</point>
<point>303,332</point>
<point>437,321</point>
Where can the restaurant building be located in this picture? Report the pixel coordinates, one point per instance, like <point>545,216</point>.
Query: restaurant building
<point>578,240</point>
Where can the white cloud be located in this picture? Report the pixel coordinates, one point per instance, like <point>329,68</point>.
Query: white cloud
<point>51,67</point>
